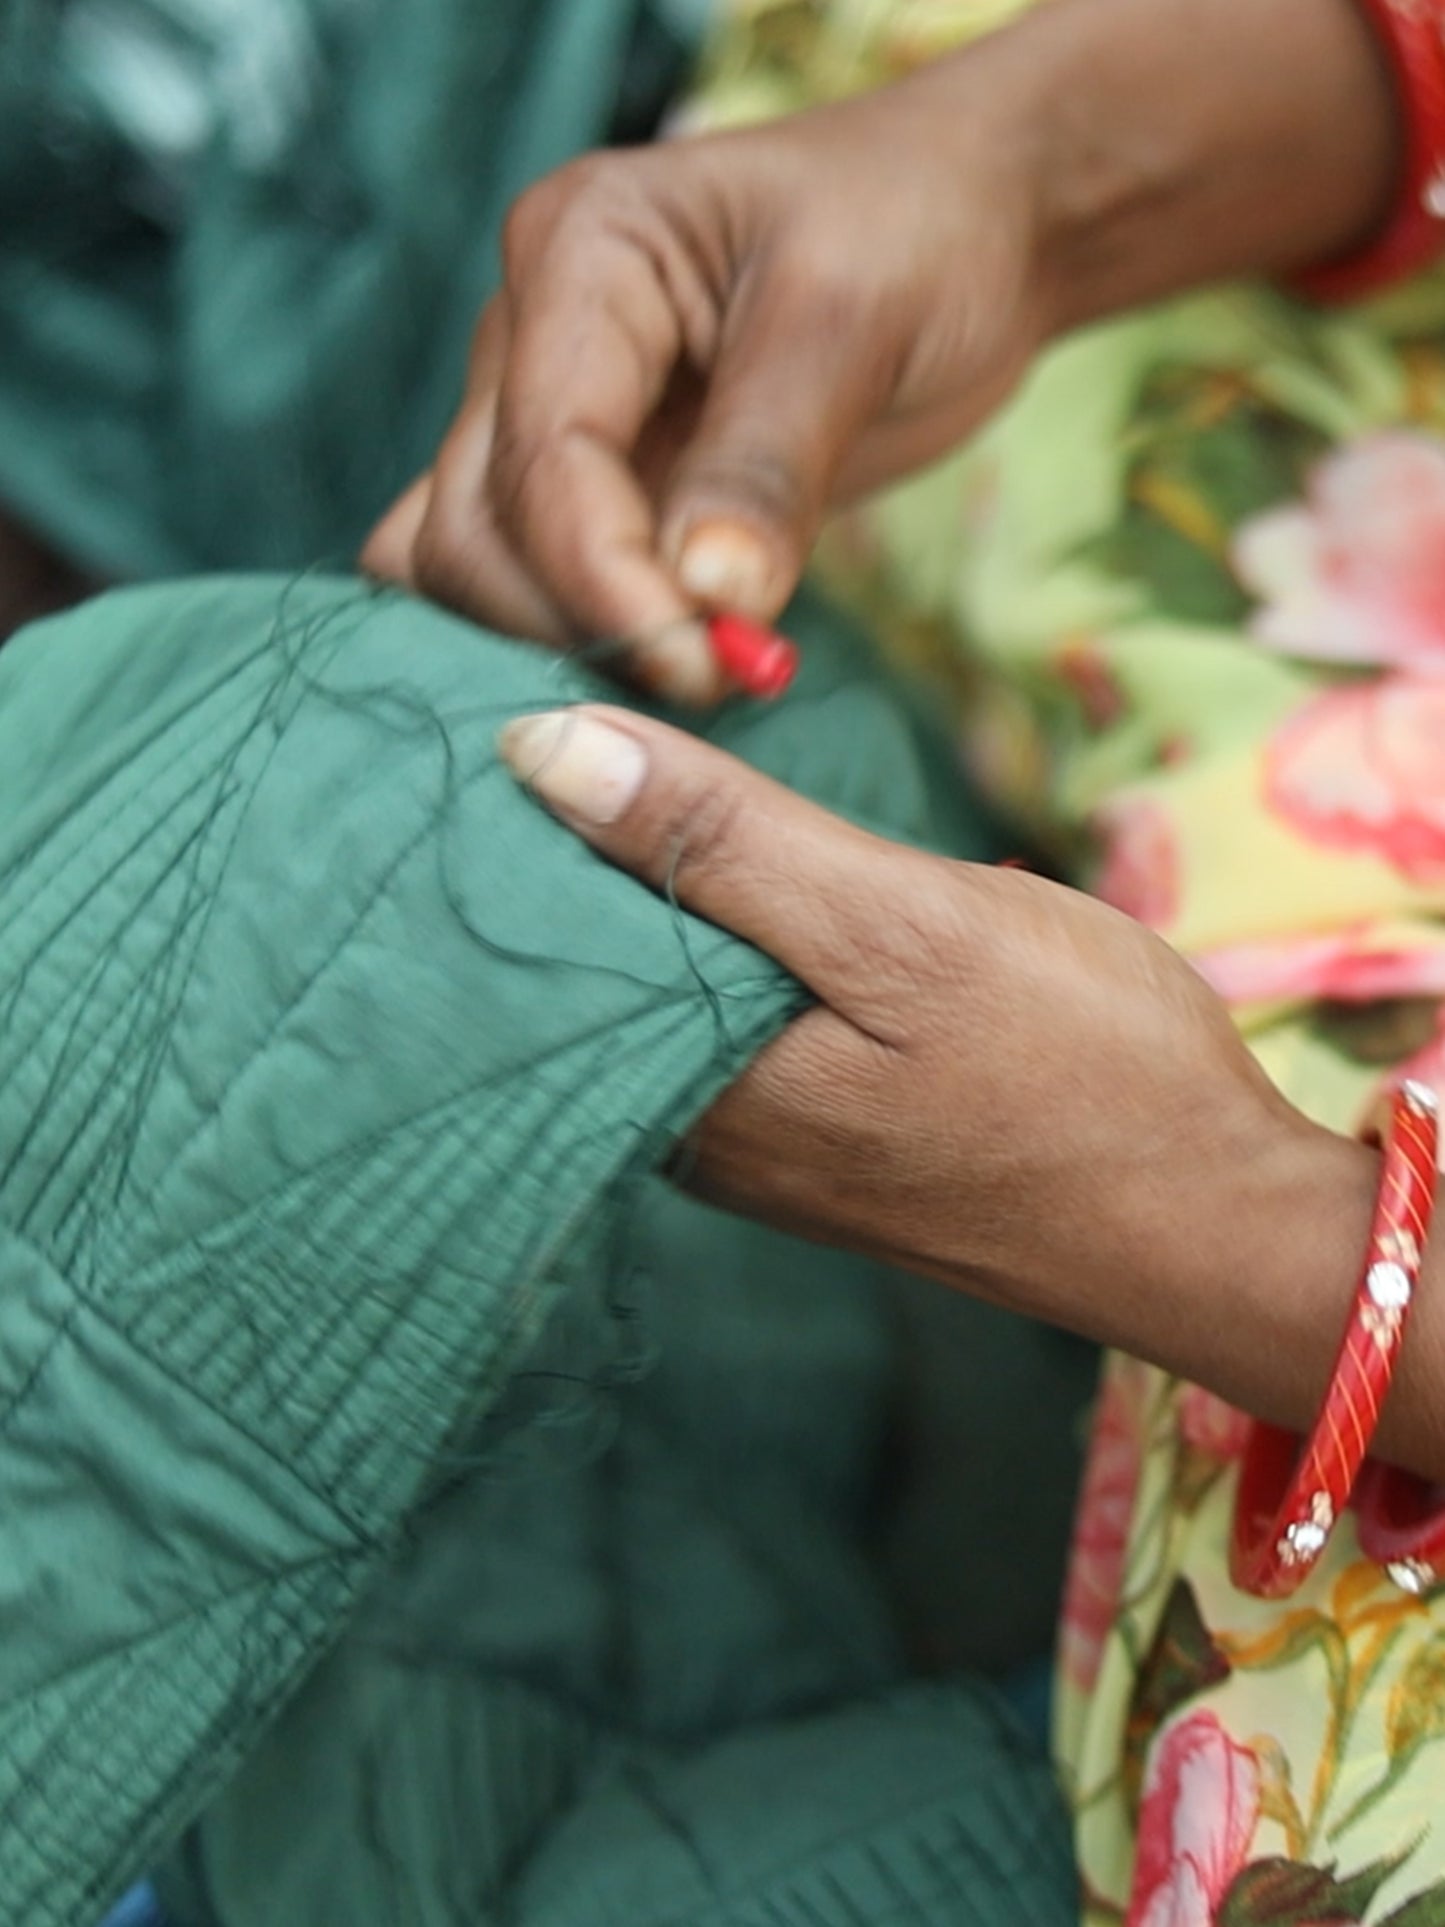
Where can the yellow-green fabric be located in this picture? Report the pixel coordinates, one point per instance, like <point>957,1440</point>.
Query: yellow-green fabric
<point>344,1339</point>
<point>1188,591</point>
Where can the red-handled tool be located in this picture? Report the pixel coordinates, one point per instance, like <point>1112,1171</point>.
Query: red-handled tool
<point>757,659</point>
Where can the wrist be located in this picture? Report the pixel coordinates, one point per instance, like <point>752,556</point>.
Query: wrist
<point>1177,142</point>
<point>1272,1243</point>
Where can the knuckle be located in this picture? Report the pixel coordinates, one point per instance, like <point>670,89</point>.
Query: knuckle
<point>753,474</point>
<point>523,226</point>
<point>533,217</point>
<point>523,478</point>
<point>813,281</point>
<point>439,574</point>
<point>564,208</point>
<point>703,834</point>
<point>443,559</point>
<point>386,555</point>
<point>816,281</point>
<point>914,953</point>
<point>939,928</point>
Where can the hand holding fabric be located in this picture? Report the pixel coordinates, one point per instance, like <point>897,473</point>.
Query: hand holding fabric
<point>1003,1084</point>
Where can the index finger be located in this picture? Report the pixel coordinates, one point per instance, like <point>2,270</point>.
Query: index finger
<point>596,339</point>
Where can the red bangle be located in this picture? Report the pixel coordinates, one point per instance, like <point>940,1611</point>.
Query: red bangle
<point>1402,1526</point>
<point>1412,36</point>
<point>1291,1494</point>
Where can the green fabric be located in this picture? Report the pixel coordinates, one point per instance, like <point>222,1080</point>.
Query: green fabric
<point>661,1684</point>
<point>246,243</point>
<point>330,1074</point>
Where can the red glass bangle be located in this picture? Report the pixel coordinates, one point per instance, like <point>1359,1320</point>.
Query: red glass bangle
<point>1290,1494</point>
<point>1412,36</point>
<point>1402,1526</point>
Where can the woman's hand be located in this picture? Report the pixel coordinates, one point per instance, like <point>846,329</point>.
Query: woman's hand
<point>1004,1085</point>
<point>700,348</point>
<point>703,346</point>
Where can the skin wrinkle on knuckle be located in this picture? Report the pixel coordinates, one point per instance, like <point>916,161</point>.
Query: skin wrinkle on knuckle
<point>832,1096</point>
<point>442,560</point>
<point>815,286</point>
<point>677,280</point>
<point>702,835</point>
<point>914,959</point>
<point>527,479</point>
<point>611,222</point>
<point>541,209</point>
<point>446,552</point>
<point>527,226</point>
<point>539,507</point>
<point>748,470</point>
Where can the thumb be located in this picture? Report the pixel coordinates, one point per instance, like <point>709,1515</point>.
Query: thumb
<point>726,842</point>
<point>794,385</point>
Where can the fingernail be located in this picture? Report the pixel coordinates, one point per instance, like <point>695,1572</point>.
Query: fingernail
<point>578,766</point>
<point>677,663</point>
<point>724,566</point>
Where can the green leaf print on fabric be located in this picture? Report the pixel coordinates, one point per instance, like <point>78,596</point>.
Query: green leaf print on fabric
<point>1426,1909</point>
<point>1382,1033</point>
<point>1183,1663</point>
<point>1414,1719</point>
<point>1417,1705</point>
<point>1208,454</point>
<point>1285,1893</point>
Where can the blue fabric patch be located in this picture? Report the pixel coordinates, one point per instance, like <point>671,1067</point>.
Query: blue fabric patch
<point>139,1909</point>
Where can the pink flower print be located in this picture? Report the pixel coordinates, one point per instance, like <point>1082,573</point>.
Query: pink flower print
<point>1101,1537</point>
<point>1356,572</point>
<point>1140,871</point>
<point>1211,1426</point>
<point>1362,769</point>
<point>1199,1812</point>
<point>1090,678</point>
<point>1344,967</point>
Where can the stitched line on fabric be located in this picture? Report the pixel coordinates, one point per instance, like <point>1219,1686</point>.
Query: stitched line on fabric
<point>333,1184</point>
<point>83,1301</point>
<point>303,1620</point>
<point>163,1629</point>
<point>366,701</point>
<point>271,703</point>
<point>87,798</point>
<point>781,1891</point>
<point>269,699</point>
<point>132,1005</point>
<point>374,1141</point>
<point>77,909</point>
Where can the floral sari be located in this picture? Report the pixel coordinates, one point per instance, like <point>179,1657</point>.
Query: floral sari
<point>1190,589</point>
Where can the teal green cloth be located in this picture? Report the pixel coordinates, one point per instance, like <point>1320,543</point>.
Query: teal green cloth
<point>246,243</point>
<point>367,1414</point>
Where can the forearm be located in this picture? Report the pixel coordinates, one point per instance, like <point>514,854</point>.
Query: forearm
<point>1236,1270</point>
<point>1284,1307</point>
<point>1179,142</point>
